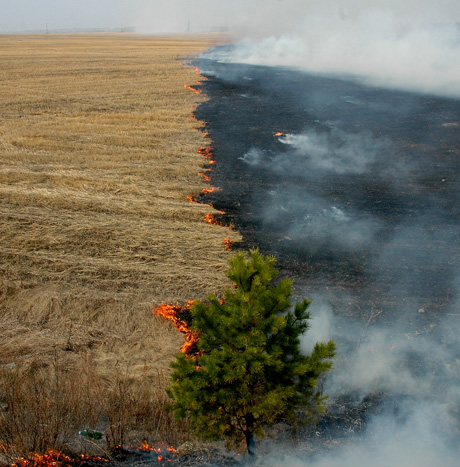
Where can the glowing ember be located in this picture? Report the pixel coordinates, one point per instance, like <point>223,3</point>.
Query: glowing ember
<point>195,90</point>
<point>171,312</point>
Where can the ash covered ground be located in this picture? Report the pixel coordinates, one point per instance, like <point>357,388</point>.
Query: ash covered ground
<point>358,200</point>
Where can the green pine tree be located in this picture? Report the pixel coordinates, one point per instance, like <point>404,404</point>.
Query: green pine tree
<point>248,372</point>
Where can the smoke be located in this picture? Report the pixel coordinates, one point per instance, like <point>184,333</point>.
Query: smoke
<point>313,223</point>
<point>417,423</point>
<point>336,152</point>
<point>358,201</point>
<point>411,46</point>
<point>414,437</point>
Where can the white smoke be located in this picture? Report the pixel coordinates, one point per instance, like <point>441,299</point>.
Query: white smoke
<point>419,437</point>
<point>316,223</point>
<point>411,46</point>
<point>419,424</point>
<point>337,152</point>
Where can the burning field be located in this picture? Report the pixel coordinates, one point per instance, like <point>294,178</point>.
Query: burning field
<point>113,206</point>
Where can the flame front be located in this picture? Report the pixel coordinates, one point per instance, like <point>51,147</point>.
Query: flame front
<point>171,312</point>
<point>195,90</point>
<point>206,152</point>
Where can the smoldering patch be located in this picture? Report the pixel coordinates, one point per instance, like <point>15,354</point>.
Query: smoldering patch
<point>335,152</point>
<point>315,223</point>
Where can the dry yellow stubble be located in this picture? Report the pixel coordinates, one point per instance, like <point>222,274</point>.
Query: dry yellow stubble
<point>98,152</point>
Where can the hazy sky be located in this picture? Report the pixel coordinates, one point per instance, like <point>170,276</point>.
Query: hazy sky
<point>254,17</point>
<point>145,15</point>
<point>410,44</point>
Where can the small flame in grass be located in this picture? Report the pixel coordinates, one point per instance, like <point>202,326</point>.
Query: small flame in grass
<point>205,152</point>
<point>228,244</point>
<point>171,312</point>
<point>206,178</point>
<point>206,191</point>
<point>163,452</point>
<point>55,458</point>
<point>195,90</point>
<point>211,219</point>
<point>145,446</point>
<point>278,133</point>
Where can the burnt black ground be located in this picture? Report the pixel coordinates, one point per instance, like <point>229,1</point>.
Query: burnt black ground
<point>403,202</point>
<point>375,230</point>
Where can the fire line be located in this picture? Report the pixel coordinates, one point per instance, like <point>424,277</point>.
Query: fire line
<point>171,312</point>
<point>195,90</point>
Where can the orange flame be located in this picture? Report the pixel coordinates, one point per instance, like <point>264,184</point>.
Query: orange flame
<point>171,312</point>
<point>195,90</point>
<point>205,152</point>
<point>228,244</point>
<point>206,191</point>
<point>55,458</point>
<point>278,134</point>
<point>211,219</point>
<point>161,450</point>
<point>206,178</point>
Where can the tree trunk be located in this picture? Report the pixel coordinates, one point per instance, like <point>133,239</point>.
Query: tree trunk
<point>250,444</point>
<point>249,434</point>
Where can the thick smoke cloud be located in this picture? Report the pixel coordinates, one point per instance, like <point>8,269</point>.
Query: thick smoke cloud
<point>411,45</point>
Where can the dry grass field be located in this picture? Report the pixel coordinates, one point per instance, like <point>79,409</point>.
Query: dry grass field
<point>98,152</point>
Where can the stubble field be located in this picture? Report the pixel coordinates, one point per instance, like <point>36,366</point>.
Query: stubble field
<point>98,153</point>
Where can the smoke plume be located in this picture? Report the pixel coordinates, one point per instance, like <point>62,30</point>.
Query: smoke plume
<point>411,45</point>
